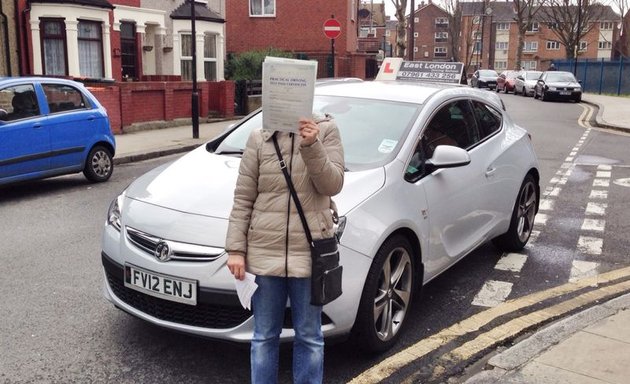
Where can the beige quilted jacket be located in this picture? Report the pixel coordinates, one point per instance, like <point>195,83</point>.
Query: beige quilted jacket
<point>263,225</point>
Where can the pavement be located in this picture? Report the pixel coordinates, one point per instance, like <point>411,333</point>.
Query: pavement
<point>590,347</point>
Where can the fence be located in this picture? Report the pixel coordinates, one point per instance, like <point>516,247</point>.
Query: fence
<point>600,75</point>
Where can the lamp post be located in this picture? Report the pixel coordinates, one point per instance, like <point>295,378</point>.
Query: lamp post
<point>487,12</point>
<point>577,38</point>
<point>195,94</point>
<point>413,29</point>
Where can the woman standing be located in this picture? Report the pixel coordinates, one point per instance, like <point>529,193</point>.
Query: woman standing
<point>265,237</point>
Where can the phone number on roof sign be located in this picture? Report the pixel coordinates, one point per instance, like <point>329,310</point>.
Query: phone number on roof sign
<point>427,75</point>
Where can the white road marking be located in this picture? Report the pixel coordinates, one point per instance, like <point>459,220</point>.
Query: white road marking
<point>596,209</point>
<point>597,194</point>
<point>511,262</point>
<point>604,167</point>
<point>581,269</point>
<point>605,183</point>
<point>555,191</point>
<point>590,245</point>
<point>533,237</point>
<point>593,225</point>
<point>546,205</point>
<point>573,153</point>
<point>492,293</point>
<point>569,159</point>
<point>623,182</point>
<point>541,219</point>
<point>603,174</point>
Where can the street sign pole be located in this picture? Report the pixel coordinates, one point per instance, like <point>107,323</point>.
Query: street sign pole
<point>195,94</point>
<point>332,30</point>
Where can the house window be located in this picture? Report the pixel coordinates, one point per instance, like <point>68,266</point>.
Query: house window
<point>503,26</point>
<point>262,7</point>
<point>210,57</point>
<point>441,37</point>
<point>416,20</point>
<point>476,35</point>
<point>415,34</point>
<point>128,50</point>
<point>553,25</point>
<point>604,45</point>
<point>53,35</point>
<point>533,27</point>
<point>388,33</point>
<point>441,21</point>
<point>529,65</point>
<point>553,45</point>
<point>606,25</point>
<point>583,46</point>
<point>530,46</point>
<point>501,45</point>
<point>500,65</point>
<point>477,47</point>
<point>440,52</point>
<point>90,49</point>
<point>476,20</point>
<point>415,49</point>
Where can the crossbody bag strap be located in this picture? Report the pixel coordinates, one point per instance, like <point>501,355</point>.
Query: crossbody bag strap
<point>287,177</point>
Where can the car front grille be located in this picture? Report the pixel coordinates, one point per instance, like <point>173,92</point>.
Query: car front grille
<point>203,315</point>
<point>178,250</point>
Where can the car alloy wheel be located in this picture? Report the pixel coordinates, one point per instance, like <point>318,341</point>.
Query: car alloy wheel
<point>387,296</point>
<point>99,165</point>
<point>523,215</point>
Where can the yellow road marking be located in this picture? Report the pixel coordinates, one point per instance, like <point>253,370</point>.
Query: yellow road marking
<point>472,324</point>
<point>585,117</point>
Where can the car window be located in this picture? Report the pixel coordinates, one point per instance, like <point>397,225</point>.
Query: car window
<point>488,119</point>
<point>532,75</point>
<point>18,102</point>
<point>560,76</point>
<point>372,131</point>
<point>453,124</point>
<point>62,97</point>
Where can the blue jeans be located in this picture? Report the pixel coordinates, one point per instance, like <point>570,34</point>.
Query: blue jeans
<point>268,303</point>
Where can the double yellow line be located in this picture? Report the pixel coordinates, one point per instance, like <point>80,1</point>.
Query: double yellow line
<point>510,329</point>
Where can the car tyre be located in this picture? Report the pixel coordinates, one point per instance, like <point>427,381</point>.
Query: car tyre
<point>523,215</point>
<point>99,164</point>
<point>387,296</point>
<point>535,94</point>
<point>578,99</point>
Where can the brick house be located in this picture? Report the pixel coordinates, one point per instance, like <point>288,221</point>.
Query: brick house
<point>431,39</point>
<point>297,26</point>
<point>8,39</point>
<point>490,38</point>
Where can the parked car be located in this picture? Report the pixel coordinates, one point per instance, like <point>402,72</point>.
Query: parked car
<point>525,82</point>
<point>50,127</point>
<point>558,85</point>
<point>484,78</point>
<point>505,81</point>
<point>433,172</point>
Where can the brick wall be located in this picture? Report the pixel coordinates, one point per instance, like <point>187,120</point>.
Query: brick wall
<point>135,102</point>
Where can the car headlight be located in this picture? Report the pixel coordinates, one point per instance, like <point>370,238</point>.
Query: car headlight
<point>114,212</point>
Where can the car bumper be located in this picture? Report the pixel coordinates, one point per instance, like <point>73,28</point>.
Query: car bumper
<point>564,95</point>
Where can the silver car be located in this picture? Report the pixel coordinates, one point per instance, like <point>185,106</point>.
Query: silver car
<point>525,82</point>
<point>433,172</point>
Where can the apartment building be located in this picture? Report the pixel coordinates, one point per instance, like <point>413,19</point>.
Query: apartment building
<point>432,35</point>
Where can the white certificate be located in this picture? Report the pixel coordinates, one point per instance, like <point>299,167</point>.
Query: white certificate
<point>288,87</point>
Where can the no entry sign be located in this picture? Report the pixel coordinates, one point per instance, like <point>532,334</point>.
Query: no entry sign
<point>332,28</point>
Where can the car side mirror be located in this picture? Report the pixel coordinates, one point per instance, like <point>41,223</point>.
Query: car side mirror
<point>447,156</point>
<point>579,81</point>
<point>520,77</point>
<point>541,82</point>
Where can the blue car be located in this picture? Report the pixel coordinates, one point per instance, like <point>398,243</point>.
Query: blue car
<point>51,127</point>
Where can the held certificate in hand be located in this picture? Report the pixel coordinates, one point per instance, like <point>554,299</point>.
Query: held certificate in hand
<point>288,88</point>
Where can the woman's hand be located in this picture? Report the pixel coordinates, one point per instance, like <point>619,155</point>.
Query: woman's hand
<point>308,131</point>
<point>236,265</point>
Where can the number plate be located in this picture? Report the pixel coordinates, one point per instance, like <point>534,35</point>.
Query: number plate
<point>565,93</point>
<point>160,285</point>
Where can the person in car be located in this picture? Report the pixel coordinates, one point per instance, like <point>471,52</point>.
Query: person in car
<point>266,238</point>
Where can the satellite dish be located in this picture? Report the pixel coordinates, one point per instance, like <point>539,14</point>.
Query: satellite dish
<point>364,13</point>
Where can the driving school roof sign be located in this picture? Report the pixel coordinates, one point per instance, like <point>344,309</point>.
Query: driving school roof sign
<point>431,71</point>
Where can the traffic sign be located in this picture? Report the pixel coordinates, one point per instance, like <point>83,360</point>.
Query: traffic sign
<point>332,28</point>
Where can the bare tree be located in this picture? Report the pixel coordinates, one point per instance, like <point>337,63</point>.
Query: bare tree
<point>570,21</point>
<point>454,11</point>
<point>401,28</point>
<point>524,13</point>
<point>623,6</point>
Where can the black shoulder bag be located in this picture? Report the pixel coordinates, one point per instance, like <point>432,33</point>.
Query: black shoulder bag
<point>325,269</point>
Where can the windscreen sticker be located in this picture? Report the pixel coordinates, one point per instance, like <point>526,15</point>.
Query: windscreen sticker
<point>387,145</point>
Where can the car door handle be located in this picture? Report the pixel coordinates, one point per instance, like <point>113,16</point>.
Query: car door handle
<point>490,171</point>
<point>37,125</point>
<point>91,118</point>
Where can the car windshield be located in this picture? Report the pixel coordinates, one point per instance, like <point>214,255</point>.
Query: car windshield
<point>511,74</point>
<point>532,75</point>
<point>372,131</point>
<point>561,76</point>
<point>488,73</point>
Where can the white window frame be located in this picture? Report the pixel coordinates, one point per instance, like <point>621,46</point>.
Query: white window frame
<point>441,21</point>
<point>503,26</point>
<point>442,36</point>
<point>604,45</point>
<point>388,32</point>
<point>534,27</point>
<point>606,25</point>
<point>582,46</point>
<point>533,46</point>
<point>476,20</point>
<point>500,65</point>
<point>502,45</point>
<point>262,8</point>
<point>210,59</point>
<point>530,65</point>
<point>440,50</point>
<point>552,45</point>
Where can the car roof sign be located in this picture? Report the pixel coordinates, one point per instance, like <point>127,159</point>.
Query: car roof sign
<point>430,71</point>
